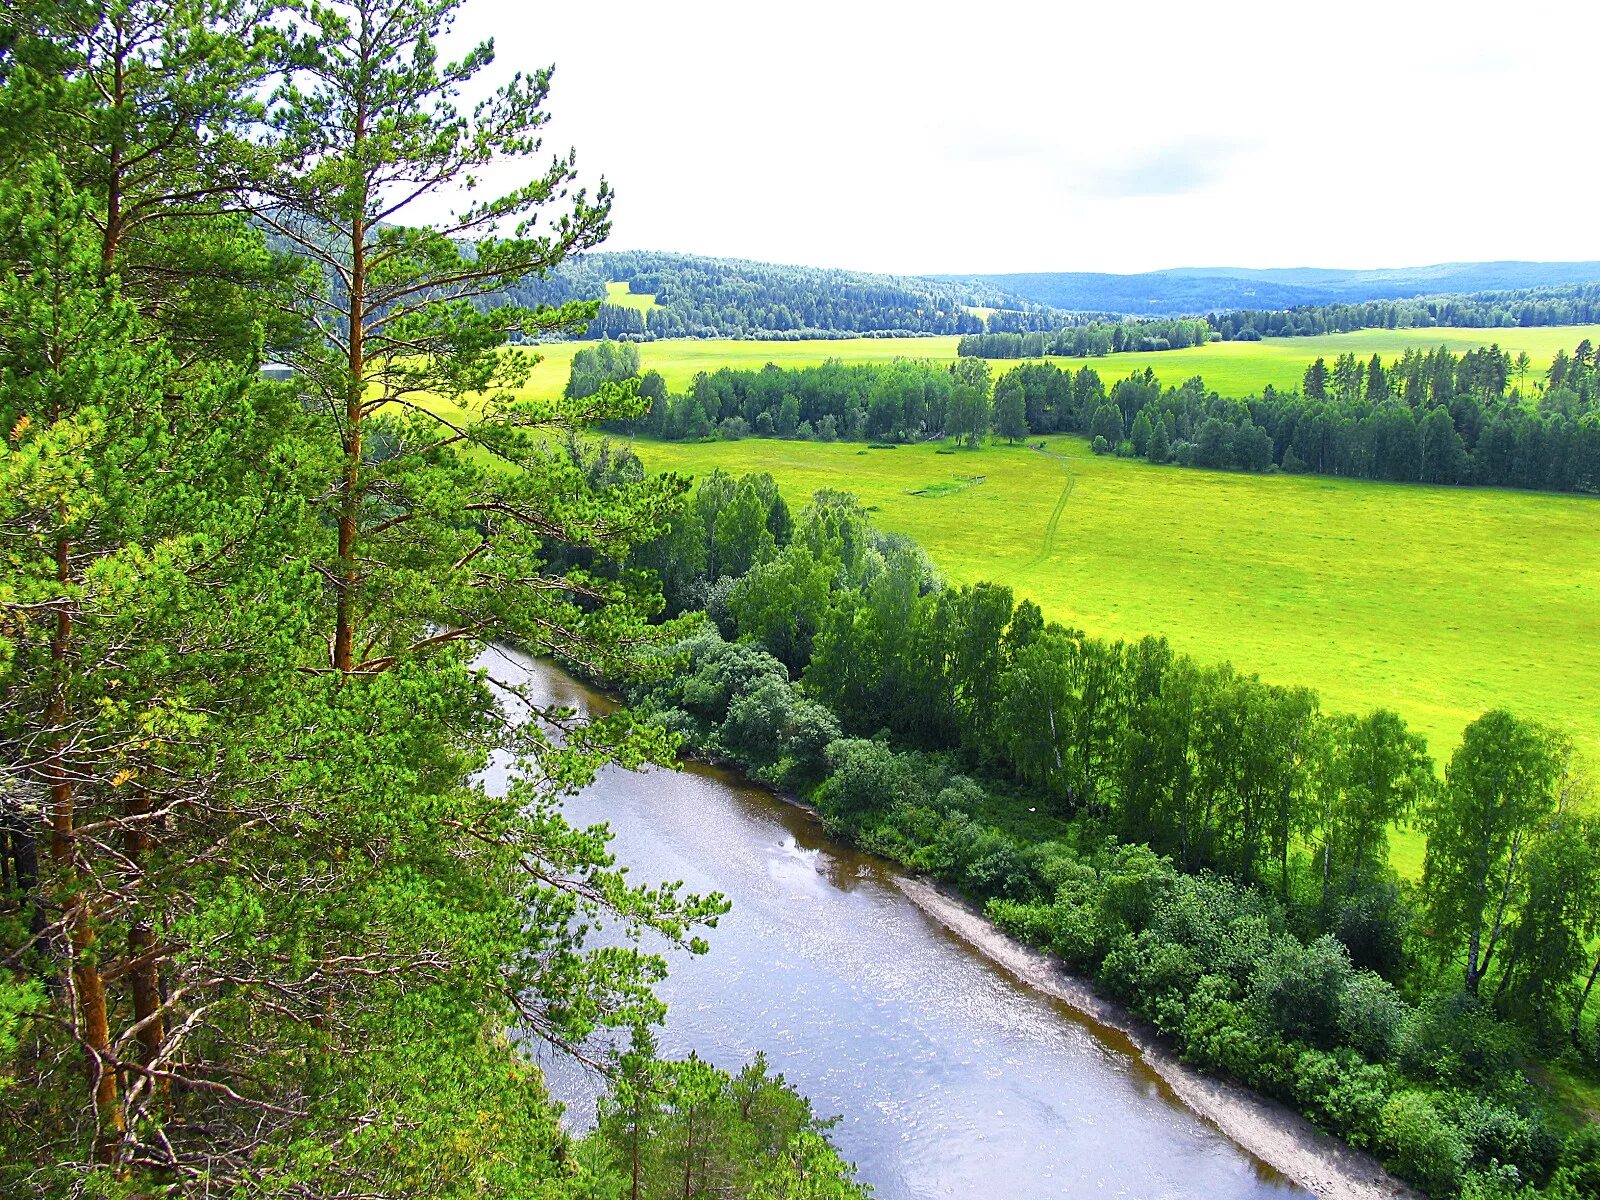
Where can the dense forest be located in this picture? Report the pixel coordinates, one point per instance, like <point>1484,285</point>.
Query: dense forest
<point>702,297</point>
<point>1575,304</point>
<point>1213,849</point>
<point>1089,339</point>
<point>1430,416</point>
<point>263,929</point>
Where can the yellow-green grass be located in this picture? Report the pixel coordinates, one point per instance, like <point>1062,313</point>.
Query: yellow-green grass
<point>679,360</point>
<point>1437,602</point>
<point>619,295</point>
<point>1232,368</point>
<point>1243,368</point>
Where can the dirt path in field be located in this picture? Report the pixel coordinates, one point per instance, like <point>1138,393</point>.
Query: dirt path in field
<point>1054,522</point>
<point>1277,1135</point>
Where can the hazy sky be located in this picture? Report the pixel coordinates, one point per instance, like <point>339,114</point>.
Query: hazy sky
<point>993,136</point>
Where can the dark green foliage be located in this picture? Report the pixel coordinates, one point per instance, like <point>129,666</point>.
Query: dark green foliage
<point>1088,337</point>
<point>722,297</point>
<point>1454,1039</point>
<point>1563,304</point>
<point>865,777</point>
<point>608,362</point>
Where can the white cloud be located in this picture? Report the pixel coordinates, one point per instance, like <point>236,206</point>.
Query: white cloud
<point>1003,136</point>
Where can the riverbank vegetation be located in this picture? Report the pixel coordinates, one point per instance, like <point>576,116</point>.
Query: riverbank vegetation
<point>263,931</point>
<point>1210,847</point>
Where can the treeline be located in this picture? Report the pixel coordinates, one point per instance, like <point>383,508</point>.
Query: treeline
<point>897,401</point>
<point>1430,416</point>
<point>264,929</point>
<point>1090,339</point>
<point>1569,304</point>
<point>1213,849</point>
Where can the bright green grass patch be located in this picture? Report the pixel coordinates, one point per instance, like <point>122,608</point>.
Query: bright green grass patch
<point>1437,602</point>
<point>619,295</point>
<point>679,360</point>
<point>1243,368</point>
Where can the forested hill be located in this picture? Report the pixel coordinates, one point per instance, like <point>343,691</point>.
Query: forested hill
<point>1189,290</point>
<point>647,295</point>
<point>685,295</point>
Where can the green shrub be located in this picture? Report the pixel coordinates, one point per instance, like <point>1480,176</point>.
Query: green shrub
<point>1453,1038</point>
<point>863,777</point>
<point>1371,1015</point>
<point>1342,1093</point>
<point>1421,1145</point>
<point>1298,988</point>
<point>1498,1133</point>
<point>1031,923</point>
<point>1154,976</point>
<point>1135,881</point>
<point>1579,1168</point>
<point>1372,925</point>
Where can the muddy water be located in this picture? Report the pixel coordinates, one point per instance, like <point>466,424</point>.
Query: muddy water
<point>951,1077</point>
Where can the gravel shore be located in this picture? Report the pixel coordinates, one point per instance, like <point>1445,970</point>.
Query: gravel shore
<point>1275,1134</point>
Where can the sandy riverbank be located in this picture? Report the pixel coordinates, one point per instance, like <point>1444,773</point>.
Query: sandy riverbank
<point>1277,1135</point>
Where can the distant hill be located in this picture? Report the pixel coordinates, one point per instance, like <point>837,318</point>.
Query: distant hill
<point>1195,290</point>
<point>686,295</point>
<point>655,294</point>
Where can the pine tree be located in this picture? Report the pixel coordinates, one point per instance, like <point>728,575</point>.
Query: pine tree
<point>1159,451</point>
<point>1141,433</point>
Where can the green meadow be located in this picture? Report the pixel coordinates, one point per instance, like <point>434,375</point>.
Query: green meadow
<point>1232,368</point>
<point>1437,602</point>
<point>679,360</point>
<point>618,294</point>
<point>1242,368</point>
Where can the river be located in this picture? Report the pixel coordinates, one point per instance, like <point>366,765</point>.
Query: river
<point>951,1077</point>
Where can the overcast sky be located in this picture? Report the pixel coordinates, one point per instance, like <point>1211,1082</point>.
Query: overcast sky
<point>993,136</point>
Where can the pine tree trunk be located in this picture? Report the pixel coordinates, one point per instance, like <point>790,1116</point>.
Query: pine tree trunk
<point>94,1030</point>
<point>349,484</point>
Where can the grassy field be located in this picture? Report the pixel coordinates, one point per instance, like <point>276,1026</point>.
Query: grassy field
<point>1241,368</point>
<point>1232,368</point>
<point>1437,602</point>
<point>680,359</point>
<point>618,294</point>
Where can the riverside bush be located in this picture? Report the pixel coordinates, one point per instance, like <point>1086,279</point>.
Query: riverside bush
<point>1213,964</point>
<point>1421,1145</point>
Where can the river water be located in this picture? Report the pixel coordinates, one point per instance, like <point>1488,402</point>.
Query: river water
<point>951,1078</point>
